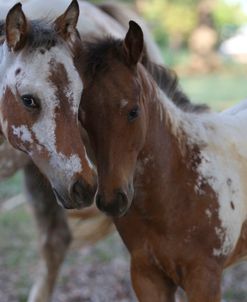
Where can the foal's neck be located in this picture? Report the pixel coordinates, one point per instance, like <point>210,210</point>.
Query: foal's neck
<point>167,147</point>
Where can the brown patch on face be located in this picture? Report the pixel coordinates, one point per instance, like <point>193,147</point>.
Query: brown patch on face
<point>63,113</point>
<point>16,114</point>
<point>60,80</point>
<point>232,205</point>
<point>67,131</point>
<point>13,110</point>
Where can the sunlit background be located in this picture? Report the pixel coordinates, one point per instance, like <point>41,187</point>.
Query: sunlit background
<point>205,41</point>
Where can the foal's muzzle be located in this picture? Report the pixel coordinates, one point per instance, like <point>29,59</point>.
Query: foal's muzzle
<point>117,207</point>
<point>80,195</point>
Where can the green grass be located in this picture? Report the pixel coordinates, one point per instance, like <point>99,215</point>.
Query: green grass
<point>18,249</point>
<point>174,58</point>
<point>235,296</point>
<point>17,232</point>
<point>220,91</point>
<point>11,186</point>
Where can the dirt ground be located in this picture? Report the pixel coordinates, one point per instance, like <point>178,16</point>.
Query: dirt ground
<point>94,274</point>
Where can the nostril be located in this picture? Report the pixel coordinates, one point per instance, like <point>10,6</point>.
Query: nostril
<point>62,201</point>
<point>58,198</point>
<point>82,193</point>
<point>77,190</point>
<point>115,207</point>
<point>122,202</point>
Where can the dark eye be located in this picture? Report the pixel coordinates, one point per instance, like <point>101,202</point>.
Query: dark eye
<point>30,101</point>
<point>133,114</point>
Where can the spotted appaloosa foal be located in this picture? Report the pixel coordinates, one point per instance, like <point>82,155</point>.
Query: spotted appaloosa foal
<point>177,178</point>
<point>40,96</point>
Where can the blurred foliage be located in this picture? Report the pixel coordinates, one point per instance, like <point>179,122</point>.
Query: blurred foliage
<point>173,21</point>
<point>10,187</point>
<point>177,19</point>
<point>228,18</point>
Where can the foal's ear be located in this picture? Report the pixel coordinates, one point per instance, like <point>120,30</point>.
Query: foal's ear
<point>65,25</point>
<point>133,43</point>
<point>16,28</point>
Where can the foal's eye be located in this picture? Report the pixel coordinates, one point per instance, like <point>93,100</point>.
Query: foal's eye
<point>133,114</point>
<point>30,101</point>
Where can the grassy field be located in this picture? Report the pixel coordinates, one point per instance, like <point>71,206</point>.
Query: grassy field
<point>10,187</point>
<point>18,245</point>
<point>220,91</point>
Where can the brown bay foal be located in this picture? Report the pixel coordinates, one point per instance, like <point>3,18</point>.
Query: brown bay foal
<point>173,179</point>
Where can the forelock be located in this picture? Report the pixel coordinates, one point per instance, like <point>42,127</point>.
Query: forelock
<point>98,55</point>
<point>42,35</point>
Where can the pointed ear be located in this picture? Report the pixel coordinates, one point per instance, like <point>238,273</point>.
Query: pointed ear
<point>65,25</point>
<point>133,43</point>
<point>16,28</point>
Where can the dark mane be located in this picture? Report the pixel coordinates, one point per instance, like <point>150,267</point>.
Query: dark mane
<point>167,80</point>
<point>96,55</point>
<point>96,61</point>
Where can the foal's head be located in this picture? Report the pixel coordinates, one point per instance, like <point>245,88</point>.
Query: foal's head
<point>114,114</point>
<point>40,96</point>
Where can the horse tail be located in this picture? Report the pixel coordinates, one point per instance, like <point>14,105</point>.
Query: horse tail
<point>123,15</point>
<point>88,226</point>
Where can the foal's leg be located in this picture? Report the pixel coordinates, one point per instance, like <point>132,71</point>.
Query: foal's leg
<point>204,285</point>
<point>150,284</point>
<point>54,233</point>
